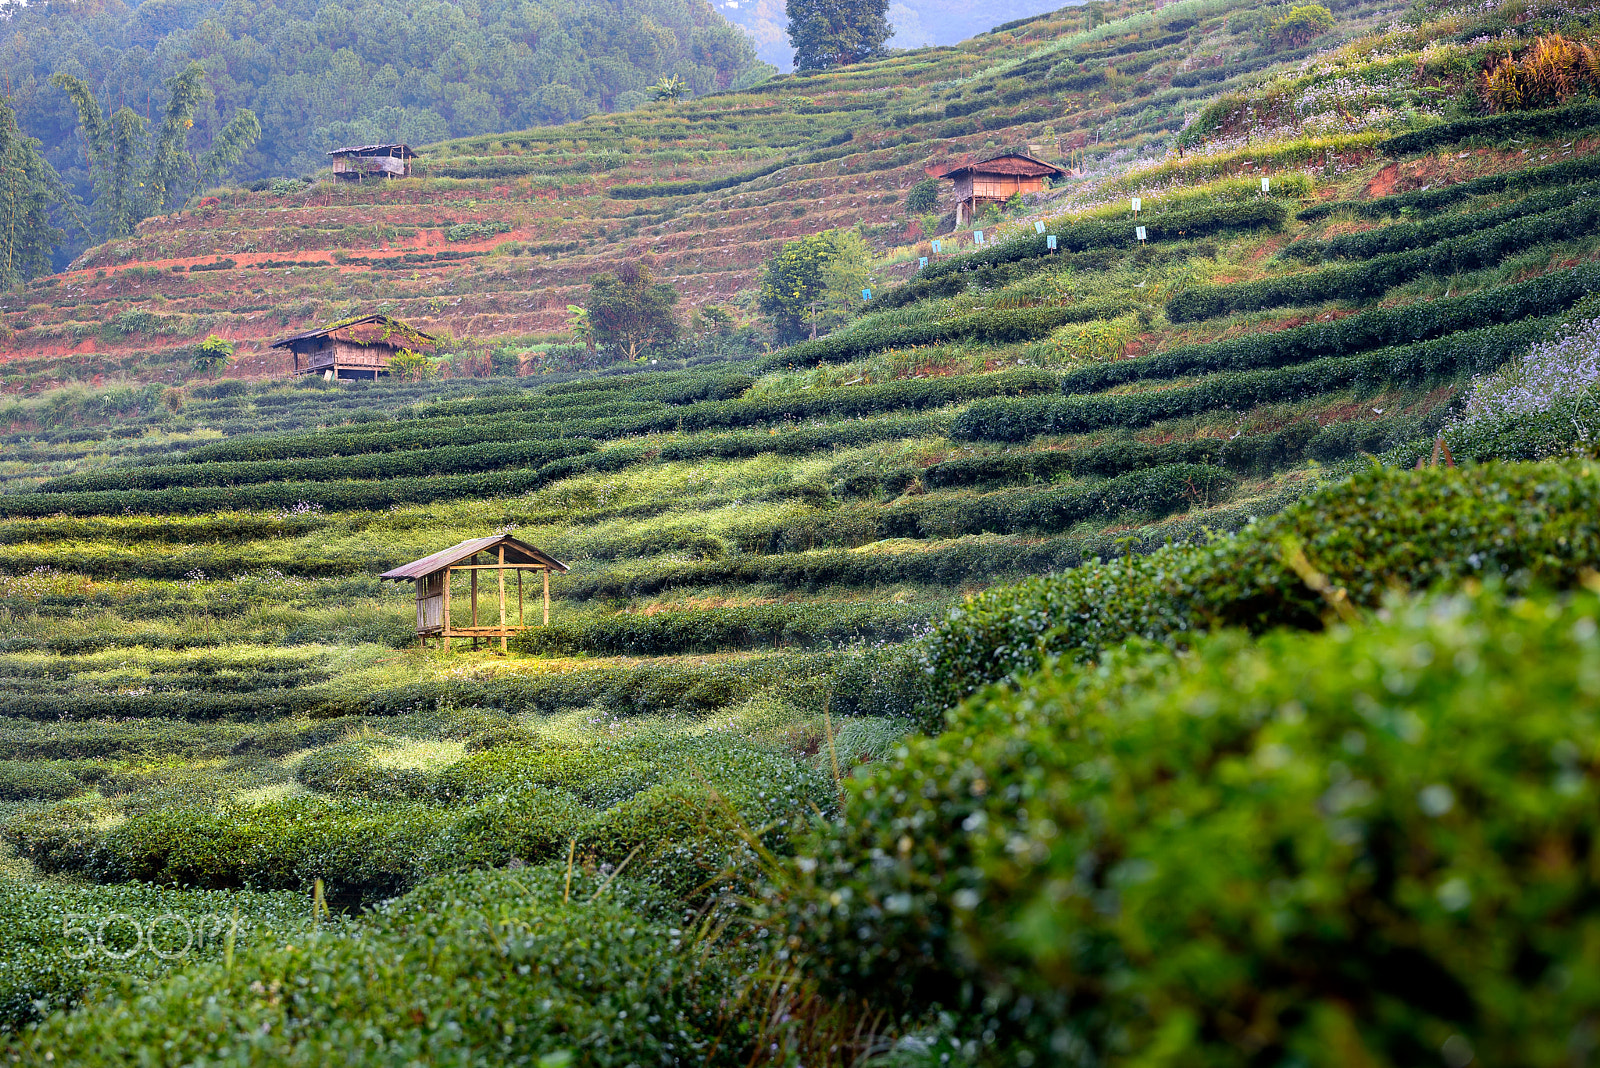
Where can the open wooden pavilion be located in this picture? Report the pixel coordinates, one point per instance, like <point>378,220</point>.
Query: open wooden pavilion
<point>499,554</point>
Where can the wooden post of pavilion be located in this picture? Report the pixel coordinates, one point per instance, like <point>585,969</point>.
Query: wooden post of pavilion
<point>432,577</point>
<point>501,573</point>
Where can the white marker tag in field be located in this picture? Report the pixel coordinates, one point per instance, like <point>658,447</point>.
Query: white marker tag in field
<point>1038,227</point>
<point>937,247</point>
<point>1050,242</point>
<point>1139,232</point>
<point>1266,184</point>
<point>922,261</point>
<point>866,294</point>
<point>977,237</point>
<point>1137,204</point>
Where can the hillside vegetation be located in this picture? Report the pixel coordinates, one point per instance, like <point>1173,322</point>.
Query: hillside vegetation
<point>1175,647</point>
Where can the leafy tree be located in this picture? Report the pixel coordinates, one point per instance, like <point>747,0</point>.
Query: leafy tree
<point>1300,26</point>
<point>834,33</point>
<point>800,293</point>
<point>923,197</point>
<point>133,179</point>
<point>505,362</point>
<point>630,312</point>
<point>213,354</point>
<point>671,88</point>
<point>29,187</point>
<point>845,275</point>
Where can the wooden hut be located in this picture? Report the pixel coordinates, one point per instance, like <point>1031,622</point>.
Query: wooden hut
<point>354,348</point>
<point>993,180</point>
<point>499,554</point>
<point>356,162</point>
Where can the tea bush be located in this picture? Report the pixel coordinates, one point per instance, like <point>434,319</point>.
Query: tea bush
<point>498,967</point>
<point>1540,296</point>
<point>1556,122</point>
<point>1375,276</point>
<point>53,947</point>
<point>1403,237</point>
<point>1469,351</point>
<point>1584,168</point>
<point>1370,844</point>
<point>1531,524</point>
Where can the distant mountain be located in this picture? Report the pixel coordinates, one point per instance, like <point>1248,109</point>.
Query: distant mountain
<point>916,22</point>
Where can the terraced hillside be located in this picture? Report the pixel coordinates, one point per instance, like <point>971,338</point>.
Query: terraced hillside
<point>786,564</point>
<point>505,231</point>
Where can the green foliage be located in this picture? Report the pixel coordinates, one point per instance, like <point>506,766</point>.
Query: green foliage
<point>593,970</point>
<point>1422,201</point>
<point>213,354</point>
<point>1382,529</point>
<point>923,197</point>
<point>670,88</point>
<point>1298,28</point>
<point>793,287</point>
<point>1370,844</point>
<point>134,178</point>
<point>52,945</point>
<point>1540,296</point>
<point>1557,122</point>
<point>411,366</point>
<point>29,189</point>
<point>1469,351</point>
<point>476,231</point>
<point>1402,237</point>
<point>630,312</point>
<point>1375,276</point>
<point>836,33</point>
<point>31,781</point>
<point>994,325</point>
<point>709,630</point>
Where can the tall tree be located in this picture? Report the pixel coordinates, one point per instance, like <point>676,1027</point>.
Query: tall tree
<point>630,312</point>
<point>833,33</point>
<point>29,188</point>
<point>135,176</point>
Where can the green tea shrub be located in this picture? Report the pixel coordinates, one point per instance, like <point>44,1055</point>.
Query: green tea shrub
<point>1555,122</point>
<point>528,825</point>
<point>1531,524</point>
<point>26,780</point>
<point>410,463</point>
<point>53,946</point>
<point>1360,846</point>
<point>1370,279</point>
<point>502,967</point>
<point>711,630</point>
<point>349,770</point>
<point>1583,168</point>
<point>1159,226</point>
<point>992,325</point>
<point>1466,352</point>
<point>1544,295</point>
<point>1402,237</point>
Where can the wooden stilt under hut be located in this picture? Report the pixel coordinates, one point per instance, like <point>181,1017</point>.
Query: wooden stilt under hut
<point>499,554</point>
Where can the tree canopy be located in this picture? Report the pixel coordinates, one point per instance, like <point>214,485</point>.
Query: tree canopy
<point>630,313</point>
<point>29,189</point>
<point>320,74</point>
<point>814,283</point>
<point>833,33</point>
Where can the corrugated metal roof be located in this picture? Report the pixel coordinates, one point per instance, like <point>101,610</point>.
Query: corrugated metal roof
<point>516,553</point>
<point>373,150</point>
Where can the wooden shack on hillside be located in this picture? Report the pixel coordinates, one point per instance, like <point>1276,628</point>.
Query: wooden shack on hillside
<point>993,180</point>
<point>354,348</point>
<point>499,553</point>
<point>356,162</point>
